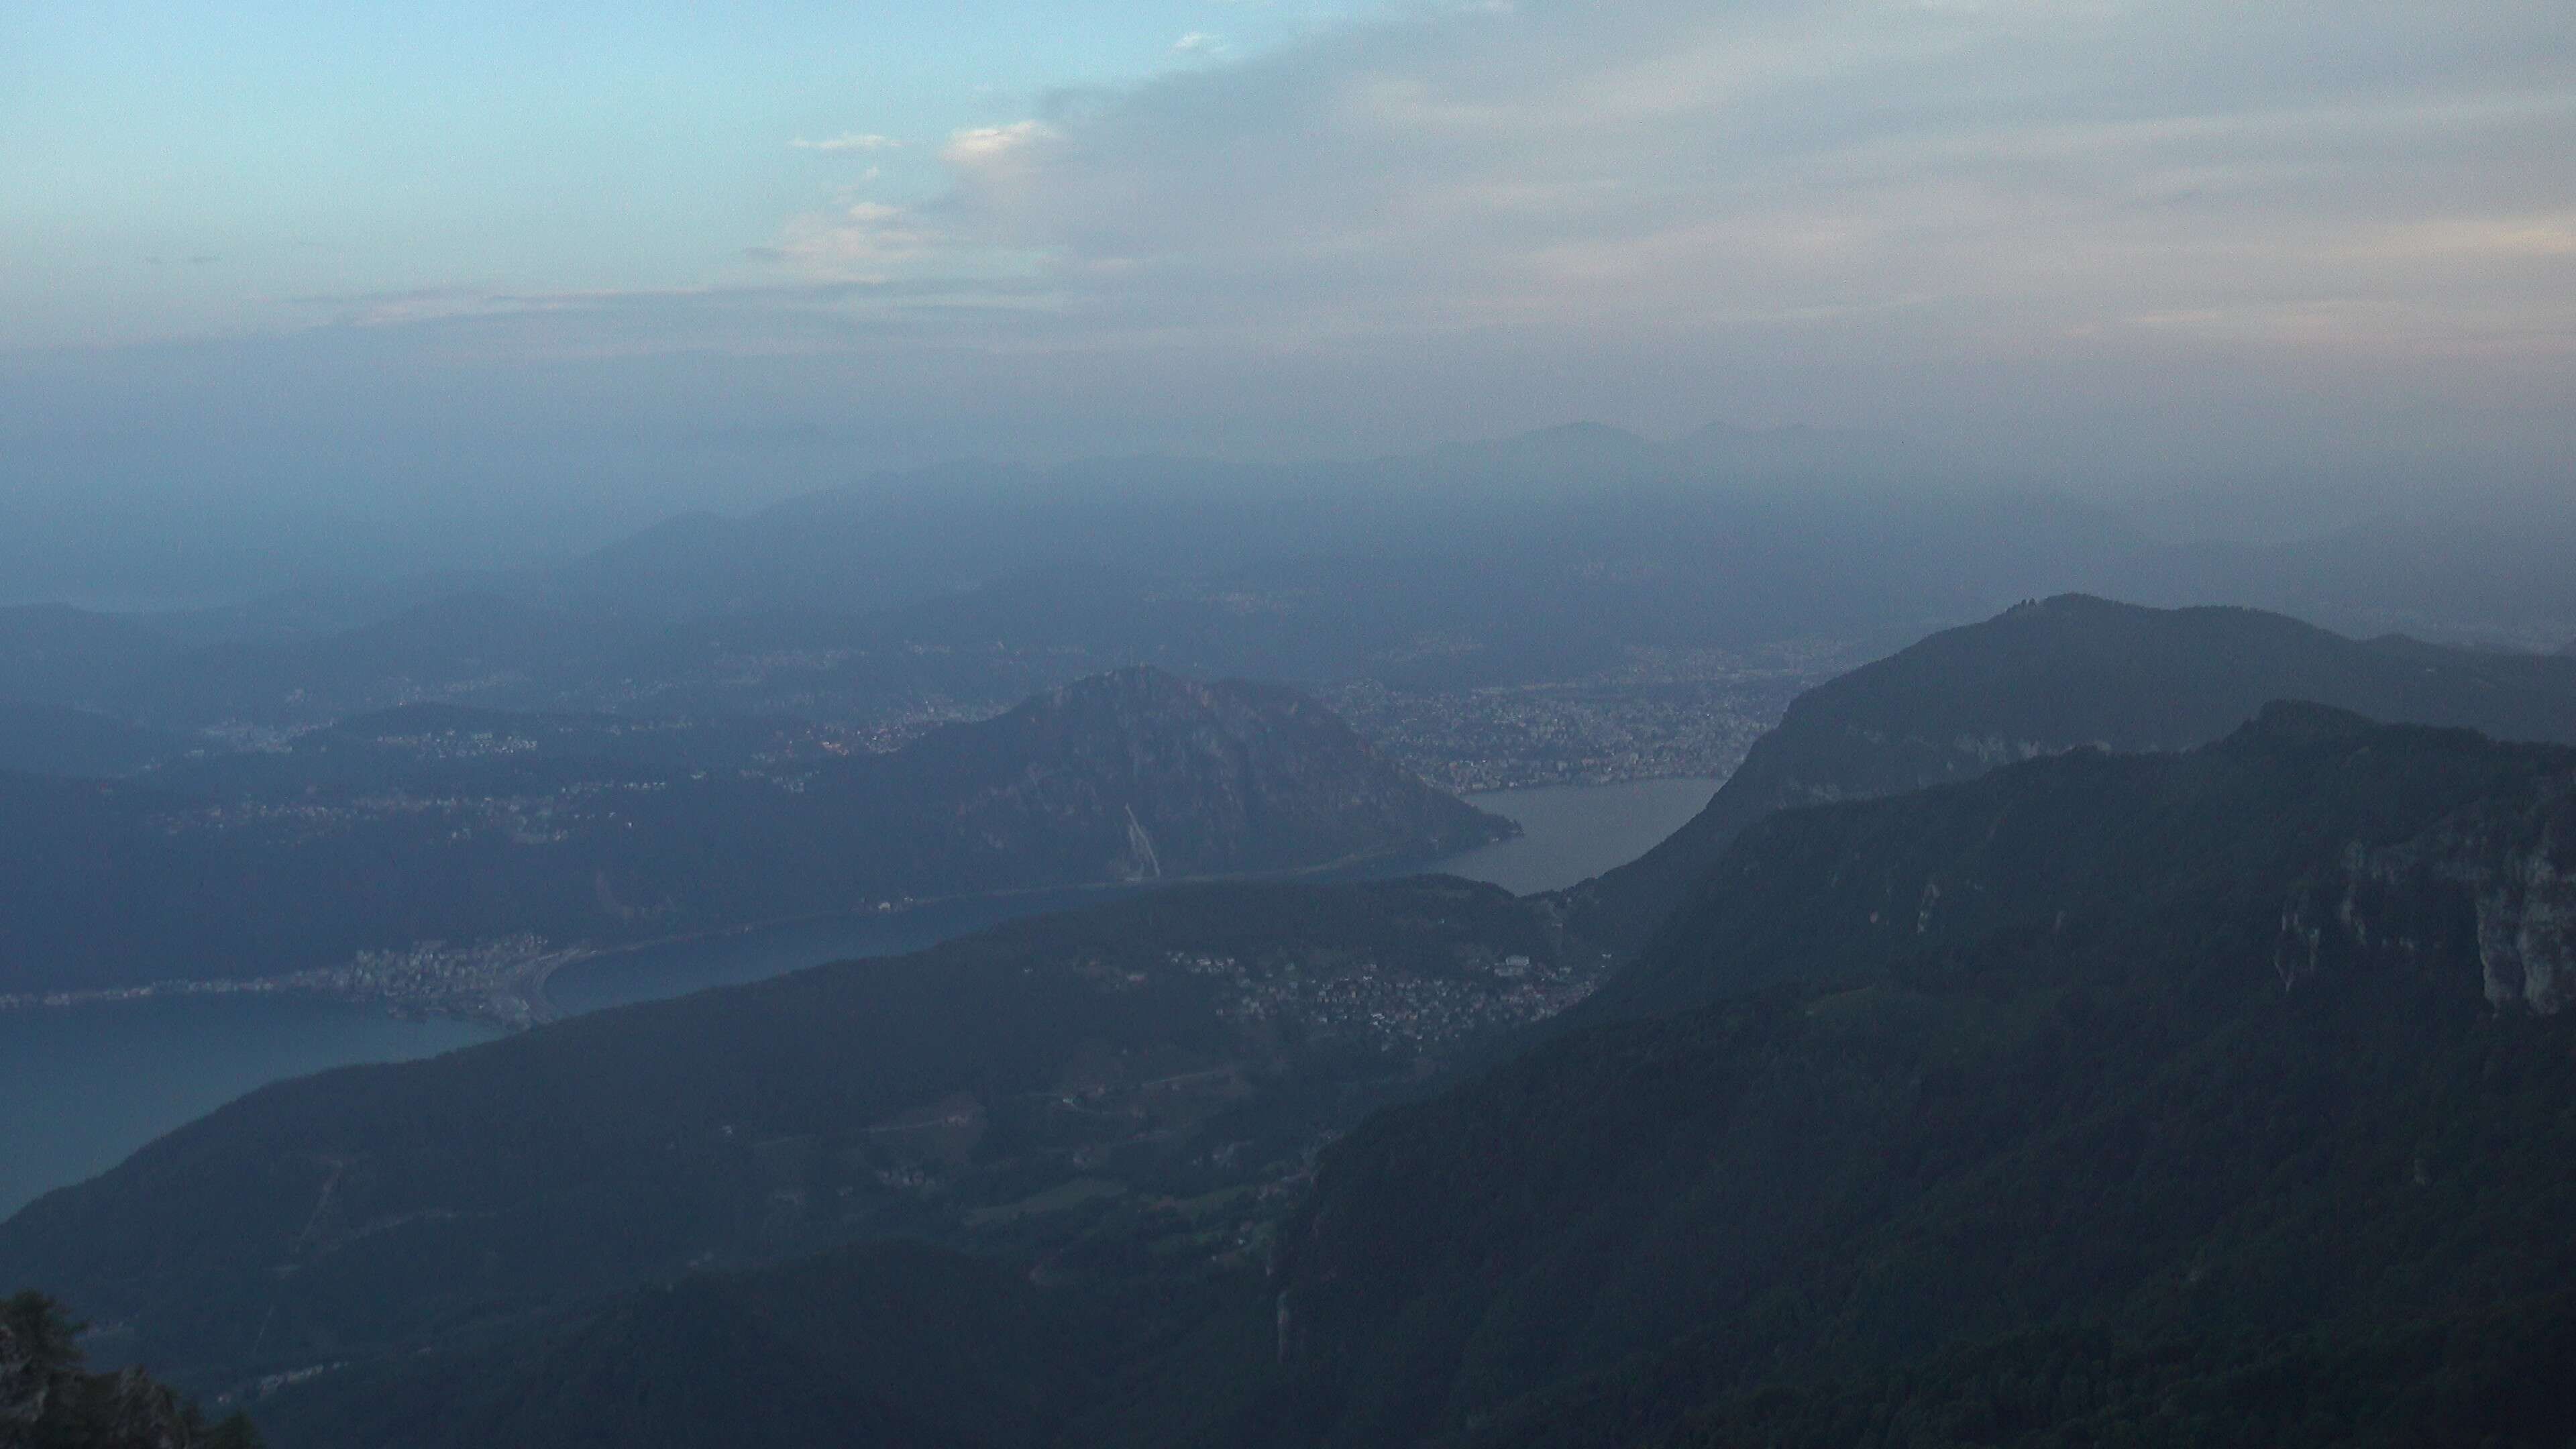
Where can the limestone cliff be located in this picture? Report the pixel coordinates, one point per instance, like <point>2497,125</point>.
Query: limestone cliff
<point>2497,876</point>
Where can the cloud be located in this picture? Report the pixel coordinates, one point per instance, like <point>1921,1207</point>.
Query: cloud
<point>2021,167</point>
<point>2005,217</point>
<point>1200,43</point>
<point>854,141</point>
<point>864,240</point>
<point>988,147</point>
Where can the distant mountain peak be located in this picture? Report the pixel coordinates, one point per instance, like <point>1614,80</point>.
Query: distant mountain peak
<point>1134,695</point>
<point>1150,680</point>
<point>2302,722</point>
<point>1579,431</point>
<point>1169,775</point>
<point>2058,673</point>
<point>1565,445</point>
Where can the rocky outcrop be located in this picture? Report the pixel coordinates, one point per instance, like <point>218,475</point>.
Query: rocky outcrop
<point>2498,882</point>
<point>2527,934</point>
<point>47,1399</point>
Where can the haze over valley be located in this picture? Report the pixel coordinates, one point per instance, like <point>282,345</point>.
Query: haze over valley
<point>1228,724</point>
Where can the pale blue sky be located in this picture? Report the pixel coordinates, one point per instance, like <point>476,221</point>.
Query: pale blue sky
<point>171,169</point>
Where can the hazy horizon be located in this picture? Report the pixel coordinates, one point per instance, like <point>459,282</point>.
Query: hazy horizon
<point>493,288</point>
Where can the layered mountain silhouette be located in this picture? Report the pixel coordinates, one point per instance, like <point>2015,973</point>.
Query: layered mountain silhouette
<point>44,739</point>
<point>2055,675</point>
<point>1184,1043</point>
<point>2209,1096</point>
<point>2067,1051</point>
<point>2251,1054</point>
<point>429,825</point>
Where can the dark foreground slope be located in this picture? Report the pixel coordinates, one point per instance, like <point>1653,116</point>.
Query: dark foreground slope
<point>414,827</point>
<point>1003,1091</point>
<point>886,1344</point>
<point>2249,1054</point>
<point>2064,672</point>
<point>50,1400</point>
<point>2206,1098</point>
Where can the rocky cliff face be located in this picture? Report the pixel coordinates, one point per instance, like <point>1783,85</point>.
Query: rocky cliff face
<point>2497,878</point>
<point>2527,934</point>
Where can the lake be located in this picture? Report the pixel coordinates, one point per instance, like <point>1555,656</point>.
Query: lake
<point>1571,833</point>
<point>85,1086</point>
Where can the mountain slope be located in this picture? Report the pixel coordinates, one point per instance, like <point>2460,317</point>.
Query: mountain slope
<point>1167,777</point>
<point>2220,1049</point>
<point>2212,1098</point>
<point>2053,675</point>
<point>431,826</point>
<point>46,739</point>
<point>56,654</point>
<point>1187,1042</point>
<point>892,1344</point>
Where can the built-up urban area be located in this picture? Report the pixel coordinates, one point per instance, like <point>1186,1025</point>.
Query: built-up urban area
<point>1663,714</point>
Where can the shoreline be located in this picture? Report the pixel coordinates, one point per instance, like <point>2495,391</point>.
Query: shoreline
<point>522,1000</point>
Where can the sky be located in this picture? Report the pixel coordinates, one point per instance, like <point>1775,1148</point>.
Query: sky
<point>550,269</point>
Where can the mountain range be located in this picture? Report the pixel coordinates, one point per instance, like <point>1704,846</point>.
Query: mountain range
<point>894,538</point>
<point>2053,675</point>
<point>2213,1096</point>
<point>2069,1052</point>
<point>1551,556</point>
<point>451,827</point>
<point>48,739</point>
<point>1191,1046</point>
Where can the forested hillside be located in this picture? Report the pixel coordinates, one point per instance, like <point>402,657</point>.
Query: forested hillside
<point>2248,1054</point>
<point>465,828</point>
<point>2214,1096</point>
<point>1052,1087</point>
<point>2058,673</point>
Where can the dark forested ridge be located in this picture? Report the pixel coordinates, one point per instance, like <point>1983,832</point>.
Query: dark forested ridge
<point>2064,672</point>
<point>2248,1055</point>
<point>893,1344</point>
<point>2205,1094</point>
<point>2196,1097</point>
<point>435,824</point>
<point>1163,1065</point>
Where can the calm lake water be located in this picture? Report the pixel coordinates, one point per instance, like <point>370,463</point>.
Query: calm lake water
<point>81,1088</point>
<point>1574,832</point>
<point>84,1086</point>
